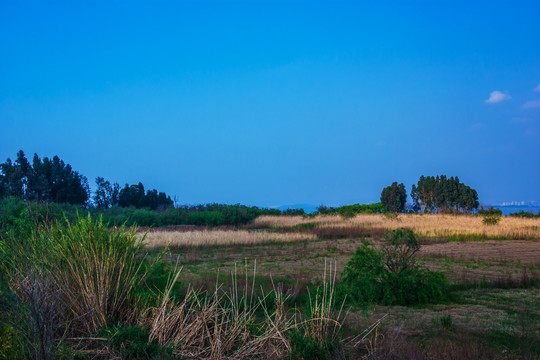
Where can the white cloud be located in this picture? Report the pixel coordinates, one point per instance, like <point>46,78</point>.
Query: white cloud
<point>497,96</point>
<point>531,104</point>
<point>537,88</point>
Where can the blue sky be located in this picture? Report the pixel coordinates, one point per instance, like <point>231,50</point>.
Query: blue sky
<point>272,103</point>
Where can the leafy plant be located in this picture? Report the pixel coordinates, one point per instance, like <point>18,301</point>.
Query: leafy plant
<point>390,275</point>
<point>491,220</point>
<point>131,342</point>
<point>72,278</point>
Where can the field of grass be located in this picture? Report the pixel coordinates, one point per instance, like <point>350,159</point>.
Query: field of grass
<point>268,289</point>
<point>494,271</point>
<point>433,226</point>
<point>201,238</point>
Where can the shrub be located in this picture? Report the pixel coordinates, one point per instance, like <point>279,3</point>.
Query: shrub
<point>491,220</point>
<point>9,345</point>
<point>307,348</point>
<point>525,214</point>
<point>72,278</point>
<point>132,343</point>
<point>390,275</point>
<point>491,211</point>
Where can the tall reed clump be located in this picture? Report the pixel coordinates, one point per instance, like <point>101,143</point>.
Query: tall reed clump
<point>315,334</point>
<point>71,279</point>
<point>233,324</point>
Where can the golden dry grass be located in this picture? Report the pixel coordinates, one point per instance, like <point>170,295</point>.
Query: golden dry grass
<point>432,225</point>
<point>157,239</point>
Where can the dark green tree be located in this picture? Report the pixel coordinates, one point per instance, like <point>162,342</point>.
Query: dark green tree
<point>106,194</point>
<point>443,194</point>
<point>52,181</point>
<point>135,196</point>
<point>393,197</point>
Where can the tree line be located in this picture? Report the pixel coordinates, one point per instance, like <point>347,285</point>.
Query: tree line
<point>52,180</point>
<point>432,194</point>
<point>47,180</point>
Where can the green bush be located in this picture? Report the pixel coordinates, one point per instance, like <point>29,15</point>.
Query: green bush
<point>491,211</point>
<point>132,343</point>
<point>491,220</point>
<point>9,344</point>
<point>72,278</point>
<point>390,275</point>
<point>525,214</point>
<point>307,348</point>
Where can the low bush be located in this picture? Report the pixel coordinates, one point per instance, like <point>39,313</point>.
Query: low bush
<point>9,342</point>
<point>390,275</point>
<point>491,220</point>
<point>491,211</point>
<point>72,278</point>
<point>131,342</point>
<point>525,214</point>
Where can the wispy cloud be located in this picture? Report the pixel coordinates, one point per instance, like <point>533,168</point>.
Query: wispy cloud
<point>497,96</point>
<point>531,104</point>
<point>537,88</point>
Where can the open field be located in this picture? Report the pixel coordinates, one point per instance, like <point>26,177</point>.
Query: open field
<point>254,291</point>
<point>494,312</point>
<point>156,239</point>
<point>457,227</point>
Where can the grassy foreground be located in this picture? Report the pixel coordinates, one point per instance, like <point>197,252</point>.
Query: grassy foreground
<point>268,289</point>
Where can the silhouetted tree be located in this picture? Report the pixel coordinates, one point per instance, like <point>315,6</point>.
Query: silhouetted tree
<point>106,195</point>
<point>45,180</point>
<point>393,197</point>
<point>135,196</point>
<point>443,194</point>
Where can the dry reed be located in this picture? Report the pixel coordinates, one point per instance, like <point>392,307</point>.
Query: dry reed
<point>159,239</point>
<point>429,225</point>
<point>225,325</point>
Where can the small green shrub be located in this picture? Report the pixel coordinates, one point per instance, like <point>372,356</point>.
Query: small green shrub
<point>132,343</point>
<point>491,211</point>
<point>446,322</point>
<point>525,214</point>
<point>9,344</point>
<point>390,276</point>
<point>306,226</point>
<point>307,348</point>
<point>491,220</point>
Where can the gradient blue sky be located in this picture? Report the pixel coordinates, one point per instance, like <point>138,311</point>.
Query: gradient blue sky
<point>272,103</point>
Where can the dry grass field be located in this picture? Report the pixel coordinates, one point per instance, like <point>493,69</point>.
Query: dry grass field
<point>428,225</point>
<point>293,245</point>
<point>186,239</point>
<point>495,312</point>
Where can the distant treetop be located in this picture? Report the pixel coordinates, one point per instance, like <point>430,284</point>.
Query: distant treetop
<point>49,180</point>
<point>443,194</point>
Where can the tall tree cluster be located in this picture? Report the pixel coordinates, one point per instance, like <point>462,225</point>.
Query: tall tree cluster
<point>110,195</point>
<point>443,194</point>
<point>44,180</point>
<point>393,197</point>
<point>106,195</point>
<point>134,195</point>
<point>52,180</point>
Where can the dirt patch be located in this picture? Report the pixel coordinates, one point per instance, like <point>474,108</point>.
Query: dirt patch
<point>512,251</point>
